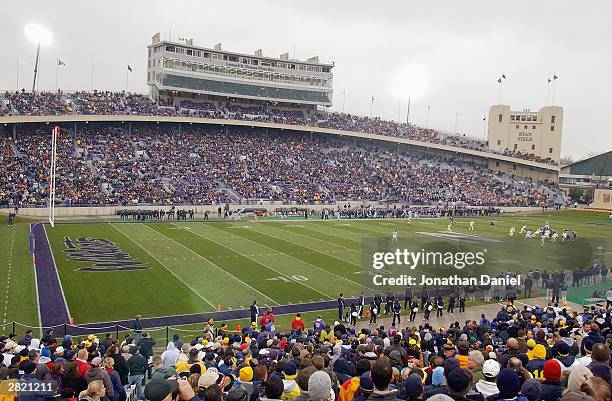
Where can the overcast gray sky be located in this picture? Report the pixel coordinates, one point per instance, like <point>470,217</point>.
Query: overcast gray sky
<point>448,54</point>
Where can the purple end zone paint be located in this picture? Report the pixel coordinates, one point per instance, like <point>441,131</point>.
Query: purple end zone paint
<point>52,307</point>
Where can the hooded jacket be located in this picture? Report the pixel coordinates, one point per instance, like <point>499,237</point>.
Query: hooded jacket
<point>170,355</point>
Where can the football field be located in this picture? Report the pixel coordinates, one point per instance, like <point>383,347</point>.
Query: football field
<point>115,270</point>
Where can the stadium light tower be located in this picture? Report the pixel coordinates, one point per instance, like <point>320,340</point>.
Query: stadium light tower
<point>40,36</point>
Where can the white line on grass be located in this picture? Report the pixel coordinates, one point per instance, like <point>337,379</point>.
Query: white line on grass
<point>57,272</point>
<point>248,257</point>
<point>212,264</point>
<point>310,264</point>
<point>166,267</point>
<point>8,277</point>
<point>314,250</point>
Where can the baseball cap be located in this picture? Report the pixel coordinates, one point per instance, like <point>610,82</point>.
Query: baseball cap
<point>490,368</point>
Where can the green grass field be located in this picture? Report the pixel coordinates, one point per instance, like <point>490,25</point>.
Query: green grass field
<point>193,267</point>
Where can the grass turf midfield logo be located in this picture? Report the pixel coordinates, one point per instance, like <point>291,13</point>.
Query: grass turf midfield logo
<point>104,254</point>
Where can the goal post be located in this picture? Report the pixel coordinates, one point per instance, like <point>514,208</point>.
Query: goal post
<point>55,132</point>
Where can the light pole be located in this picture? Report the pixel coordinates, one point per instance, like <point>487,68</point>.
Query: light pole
<point>40,36</point>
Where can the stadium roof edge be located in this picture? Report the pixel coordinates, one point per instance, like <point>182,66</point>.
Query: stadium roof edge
<point>197,120</point>
<point>208,49</point>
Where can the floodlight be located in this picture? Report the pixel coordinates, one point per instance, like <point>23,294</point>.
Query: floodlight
<point>38,34</point>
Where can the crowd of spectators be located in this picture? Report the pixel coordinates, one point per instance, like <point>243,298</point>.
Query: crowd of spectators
<point>521,353</point>
<point>119,103</point>
<point>106,164</point>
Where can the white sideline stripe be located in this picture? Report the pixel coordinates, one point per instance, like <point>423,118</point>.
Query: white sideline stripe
<point>206,259</point>
<point>292,257</point>
<point>248,257</point>
<point>165,267</point>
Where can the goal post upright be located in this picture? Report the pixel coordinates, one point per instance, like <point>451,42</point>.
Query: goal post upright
<point>55,132</point>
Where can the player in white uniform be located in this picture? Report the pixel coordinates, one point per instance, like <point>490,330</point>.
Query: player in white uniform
<point>554,237</point>
<point>394,235</point>
<point>471,226</point>
<point>450,226</point>
<point>528,235</point>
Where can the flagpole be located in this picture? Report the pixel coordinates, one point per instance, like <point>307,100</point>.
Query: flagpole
<point>56,74</point>
<point>127,79</point>
<point>92,75</point>
<point>548,92</point>
<point>552,103</point>
<point>427,121</point>
<point>343,99</point>
<point>484,127</point>
<point>371,106</point>
<point>456,118</point>
<point>408,112</point>
<point>17,73</point>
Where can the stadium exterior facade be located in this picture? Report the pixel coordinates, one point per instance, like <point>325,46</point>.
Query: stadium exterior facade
<point>526,131</point>
<point>180,70</point>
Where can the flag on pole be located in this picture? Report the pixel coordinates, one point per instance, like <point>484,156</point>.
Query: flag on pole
<point>60,62</point>
<point>484,118</point>
<point>129,68</point>
<point>503,76</point>
<point>372,99</point>
<point>555,77</point>
<point>549,80</point>
<point>499,80</point>
<point>428,107</point>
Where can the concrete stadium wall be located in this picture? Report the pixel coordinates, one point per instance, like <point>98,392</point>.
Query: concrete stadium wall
<point>602,199</point>
<point>110,211</point>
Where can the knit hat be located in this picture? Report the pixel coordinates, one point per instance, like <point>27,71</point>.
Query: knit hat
<point>246,374</point>
<point>290,371</point>
<point>539,351</point>
<point>437,378</point>
<point>365,383</point>
<point>532,390</point>
<point>490,368</point>
<point>531,343</point>
<point>552,370</point>
<point>413,386</point>
<point>458,382</point>
<point>508,383</point>
<point>158,389</point>
<point>577,376</point>
<point>319,386</point>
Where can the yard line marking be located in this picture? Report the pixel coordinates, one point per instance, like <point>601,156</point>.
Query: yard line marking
<point>246,256</point>
<point>206,259</point>
<point>310,264</point>
<point>304,246</point>
<point>165,267</point>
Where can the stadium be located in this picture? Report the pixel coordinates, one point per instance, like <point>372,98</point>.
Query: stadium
<point>234,207</point>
